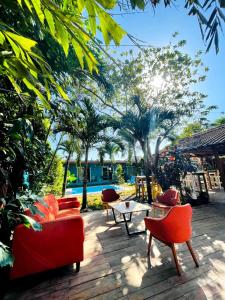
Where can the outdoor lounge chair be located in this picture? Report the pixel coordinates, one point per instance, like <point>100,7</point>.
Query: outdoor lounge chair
<point>167,200</point>
<point>109,195</point>
<point>59,243</point>
<point>173,228</point>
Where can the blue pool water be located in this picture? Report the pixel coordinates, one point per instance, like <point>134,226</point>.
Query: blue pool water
<point>92,189</point>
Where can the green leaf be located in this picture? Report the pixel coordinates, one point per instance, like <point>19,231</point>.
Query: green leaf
<point>137,3</point>
<point>15,48</point>
<point>92,16</point>
<point>30,86</point>
<point>50,21</point>
<point>6,258</point>
<point>28,4</point>
<point>61,92</point>
<point>30,223</point>
<point>79,52</point>
<point>80,4</point>
<point>110,29</point>
<point>107,4</point>
<point>2,38</point>
<point>38,9</point>
<point>62,35</point>
<point>25,43</point>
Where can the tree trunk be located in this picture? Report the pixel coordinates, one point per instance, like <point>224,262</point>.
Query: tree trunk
<point>84,202</point>
<point>156,160</point>
<point>135,158</point>
<point>147,170</point>
<point>65,174</point>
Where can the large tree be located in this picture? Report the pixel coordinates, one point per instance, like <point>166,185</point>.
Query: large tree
<point>159,94</point>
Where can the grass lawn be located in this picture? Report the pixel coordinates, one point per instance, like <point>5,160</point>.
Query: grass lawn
<point>95,202</point>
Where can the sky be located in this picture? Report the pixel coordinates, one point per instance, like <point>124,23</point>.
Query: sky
<point>156,29</point>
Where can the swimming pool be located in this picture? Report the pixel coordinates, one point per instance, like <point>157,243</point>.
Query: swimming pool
<point>92,189</point>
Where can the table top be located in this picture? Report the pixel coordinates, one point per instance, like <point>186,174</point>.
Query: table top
<point>133,207</point>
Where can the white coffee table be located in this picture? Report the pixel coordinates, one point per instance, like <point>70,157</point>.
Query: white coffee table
<point>133,207</point>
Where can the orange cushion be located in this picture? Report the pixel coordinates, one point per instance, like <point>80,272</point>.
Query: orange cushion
<point>52,203</point>
<point>48,216</point>
<point>68,213</point>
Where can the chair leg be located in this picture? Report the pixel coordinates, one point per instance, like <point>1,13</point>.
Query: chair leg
<point>175,259</point>
<point>77,267</point>
<point>149,244</point>
<point>192,253</point>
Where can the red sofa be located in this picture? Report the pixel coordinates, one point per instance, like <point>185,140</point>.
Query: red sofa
<point>59,243</point>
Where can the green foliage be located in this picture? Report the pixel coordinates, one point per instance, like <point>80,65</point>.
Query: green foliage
<point>218,122</point>
<point>71,177</point>
<point>191,129</point>
<point>118,175</point>
<point>26,25</point>
<point>12,214</point>
<point>54,180</point>
<point>6,258</point>
<point>172,167</point>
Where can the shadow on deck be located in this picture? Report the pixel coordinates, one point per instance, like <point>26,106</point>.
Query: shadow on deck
<point>116,266</point>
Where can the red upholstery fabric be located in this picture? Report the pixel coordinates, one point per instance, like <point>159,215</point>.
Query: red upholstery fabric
<point>170,197</point>
<point>67,198</point>
<point>109,195</point>
<point>68,213</point>
<point>59,243</point>
<point>69,204</point>
<point>175,227</point>
<point>47,214</point>
<point>52,204</point>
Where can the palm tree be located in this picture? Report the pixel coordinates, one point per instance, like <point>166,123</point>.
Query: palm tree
<point>139,122</point>
<point>70,146</point>
<point>101,153</point>
<point>91,130</point>
<point>131,142</point>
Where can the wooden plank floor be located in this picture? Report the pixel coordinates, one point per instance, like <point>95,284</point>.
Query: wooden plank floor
<point>116,266</point>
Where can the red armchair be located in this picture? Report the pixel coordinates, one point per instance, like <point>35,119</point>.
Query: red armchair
<point>167,200</point>
<point>59,243</point>
<point>109,195</point>
<point>175,227</point>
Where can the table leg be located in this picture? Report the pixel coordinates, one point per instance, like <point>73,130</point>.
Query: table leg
<point>125,220</point>
<point>127,228</point>
<point>124,217</point>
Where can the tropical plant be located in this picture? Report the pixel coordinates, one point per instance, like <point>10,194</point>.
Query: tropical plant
<point>22,61</point>
<point>118,175</point>
<point>159,97</point>
<point>54,181</point>
<point>82,121</point>
<point>219,121</point>
<point>131,142</point>
<point>173,167</point>
<point>70,146</point>
<point>11,214</point>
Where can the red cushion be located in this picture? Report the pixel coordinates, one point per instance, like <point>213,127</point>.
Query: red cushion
<point>52,203</point>
<point>68,213</point>
<point>170,197</point>
<point>48,215</point>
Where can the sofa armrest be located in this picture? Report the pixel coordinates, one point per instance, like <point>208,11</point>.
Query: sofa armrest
<point>69,204</point>
<point>67,199</point>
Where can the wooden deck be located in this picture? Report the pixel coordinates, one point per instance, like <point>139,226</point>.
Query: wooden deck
<point>116,266</point>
